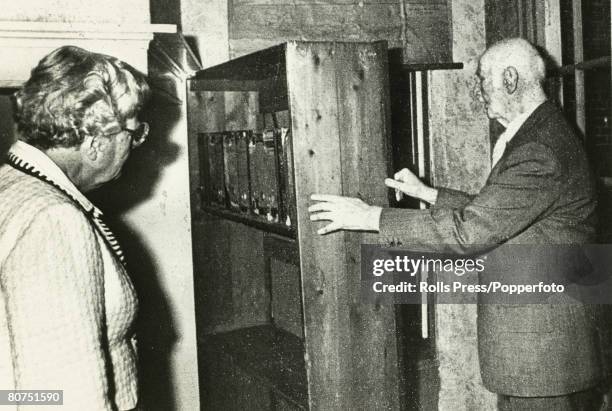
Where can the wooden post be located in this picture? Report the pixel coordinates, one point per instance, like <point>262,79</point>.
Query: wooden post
<point>340,114</point>
<point>579,74</point>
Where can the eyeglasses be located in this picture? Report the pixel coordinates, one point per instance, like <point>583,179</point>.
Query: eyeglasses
<point>139,134</point>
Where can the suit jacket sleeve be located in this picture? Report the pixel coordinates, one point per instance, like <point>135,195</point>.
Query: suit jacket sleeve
<point>527,184</point>
<point>449,198</point>
<point>54,302</point>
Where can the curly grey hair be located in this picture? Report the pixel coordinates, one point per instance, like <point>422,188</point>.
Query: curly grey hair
<point>72,93</point>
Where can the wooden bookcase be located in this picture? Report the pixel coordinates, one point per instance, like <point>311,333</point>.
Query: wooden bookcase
<point>281,323</point>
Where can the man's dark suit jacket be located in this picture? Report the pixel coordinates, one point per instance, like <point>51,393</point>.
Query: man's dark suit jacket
<point>540,192</point>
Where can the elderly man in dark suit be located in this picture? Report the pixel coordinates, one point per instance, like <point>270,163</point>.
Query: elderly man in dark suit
<point>539,191</point>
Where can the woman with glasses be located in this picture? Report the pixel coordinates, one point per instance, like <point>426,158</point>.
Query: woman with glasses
<point>66,303</point>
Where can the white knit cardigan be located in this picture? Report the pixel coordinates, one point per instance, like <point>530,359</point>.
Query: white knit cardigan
<point>66,303</point>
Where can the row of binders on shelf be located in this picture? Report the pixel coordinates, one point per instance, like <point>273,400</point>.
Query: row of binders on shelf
<point>248,173</point>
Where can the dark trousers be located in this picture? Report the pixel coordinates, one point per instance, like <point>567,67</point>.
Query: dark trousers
<point>589,400</point>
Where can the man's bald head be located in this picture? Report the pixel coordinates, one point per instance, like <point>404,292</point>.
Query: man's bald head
<point>511,74</point>
<point>517,53</point>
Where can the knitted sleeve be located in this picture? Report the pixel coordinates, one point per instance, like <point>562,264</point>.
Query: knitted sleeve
<point>54,301</point>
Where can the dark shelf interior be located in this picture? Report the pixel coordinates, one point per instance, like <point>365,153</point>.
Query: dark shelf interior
<point>251,220</point>
<point>269,354</point>
<point>264,64</point>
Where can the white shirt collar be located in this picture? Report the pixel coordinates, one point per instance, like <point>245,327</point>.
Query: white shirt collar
<point>511,130</point>
<point>32,156</point>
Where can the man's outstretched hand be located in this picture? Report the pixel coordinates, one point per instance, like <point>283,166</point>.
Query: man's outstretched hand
<point>344,213</point>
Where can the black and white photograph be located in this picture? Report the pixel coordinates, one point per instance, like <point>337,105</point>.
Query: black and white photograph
<point>305,205</point>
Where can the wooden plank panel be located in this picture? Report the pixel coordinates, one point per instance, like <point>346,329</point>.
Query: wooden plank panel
<point>240,47</point>
<point>217,378</point>
<point>252,395</point>
<point>362,83</point>
<point>212,277</point>
<point>579,75</point>
<point>334,2</point>
<point>282,249</point>
<point>314,112</point>
<point>281,404</point>
<point>316,22</point>
<point>423,33</point>
<point>351,351</point>
<point>286,297</point>
<point>250,294</point>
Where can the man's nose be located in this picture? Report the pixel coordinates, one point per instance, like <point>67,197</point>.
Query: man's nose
<point>477,91</point>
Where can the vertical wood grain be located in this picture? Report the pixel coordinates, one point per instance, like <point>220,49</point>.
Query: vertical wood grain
<point>339,106</point>
<point>363,122</point>
<point>579,74</point>
<point>314,112</point>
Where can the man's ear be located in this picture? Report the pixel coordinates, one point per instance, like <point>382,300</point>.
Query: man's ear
<point>511,78</point>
